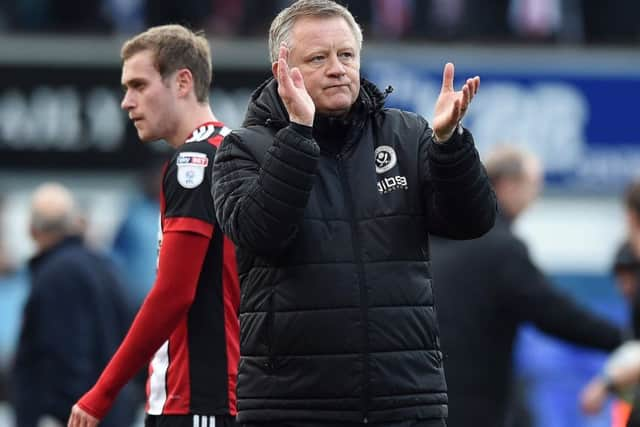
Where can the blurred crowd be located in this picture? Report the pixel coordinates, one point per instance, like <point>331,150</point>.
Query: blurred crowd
<point>134,244</point>
<point>538,21</point>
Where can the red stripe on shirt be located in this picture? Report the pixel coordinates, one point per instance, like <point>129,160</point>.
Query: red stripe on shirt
<point>192,225</point>
<point>178,379</point>
<point>216,140</point>
<point>231,293</point>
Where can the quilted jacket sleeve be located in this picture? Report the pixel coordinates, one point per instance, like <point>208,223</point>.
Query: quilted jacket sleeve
<point>460,201</point>
<point>260,199</point>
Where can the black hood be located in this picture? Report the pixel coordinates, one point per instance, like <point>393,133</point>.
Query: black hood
<point>266,107</point>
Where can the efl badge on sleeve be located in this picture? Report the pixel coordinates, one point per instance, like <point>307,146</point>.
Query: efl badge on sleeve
<point>191,168</point>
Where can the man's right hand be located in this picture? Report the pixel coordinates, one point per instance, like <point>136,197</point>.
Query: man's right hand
<point>80,418</point>
<point>293,92</point>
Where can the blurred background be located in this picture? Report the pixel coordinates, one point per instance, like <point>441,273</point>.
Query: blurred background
<point>559,77</point>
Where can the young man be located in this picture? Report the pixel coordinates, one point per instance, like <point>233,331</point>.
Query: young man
<point>190,317</point>
<point>330,198</point>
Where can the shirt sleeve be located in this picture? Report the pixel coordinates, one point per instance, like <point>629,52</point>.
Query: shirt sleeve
<point>187,190</point>
<point>168,301</point>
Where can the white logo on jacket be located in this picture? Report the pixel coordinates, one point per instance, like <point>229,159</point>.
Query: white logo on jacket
<point>191,166</point>
<point>391,183</point>
<point>385,158</point>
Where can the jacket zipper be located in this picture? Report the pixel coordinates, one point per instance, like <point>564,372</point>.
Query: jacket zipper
<point>364,300</point>
<point>270,363</point>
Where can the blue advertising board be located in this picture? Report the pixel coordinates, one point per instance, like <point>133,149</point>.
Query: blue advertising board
<point>581,118</point>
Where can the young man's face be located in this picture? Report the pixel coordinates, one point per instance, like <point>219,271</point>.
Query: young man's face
<point>149,100</point>
<point>326,52</point>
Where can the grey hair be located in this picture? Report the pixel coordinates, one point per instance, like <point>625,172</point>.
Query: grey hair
<point>282,24</point>
<point>507,162</point>
<point>53,210</point>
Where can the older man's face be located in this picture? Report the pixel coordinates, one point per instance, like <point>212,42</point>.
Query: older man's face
<point>327,54</point>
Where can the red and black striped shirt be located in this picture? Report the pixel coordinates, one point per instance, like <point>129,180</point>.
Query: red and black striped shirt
<point>195,370</point>
<point>190,316</point>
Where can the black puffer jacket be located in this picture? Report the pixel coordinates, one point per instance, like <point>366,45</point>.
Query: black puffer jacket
<point>337,312</point>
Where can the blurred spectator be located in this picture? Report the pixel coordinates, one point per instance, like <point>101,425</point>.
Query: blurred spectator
<point>632,211</point>
<point>258,14</point>
<point>535,19</point>
<point>487,288</point>
<point>485,21</point>
<point>57,15</point>
<point>626,269</point>
<point>126,16</point>
<point>135,244</point>
<point>392,18</point>
<point>190,13</point>
<point>74,317</point>
<point>227,17</point>
<point>78,16</point>
<point>361,10</point>
<point>26,15</point>
<point>13,291</point>
<point>572,21</point>
<point>439,19</point>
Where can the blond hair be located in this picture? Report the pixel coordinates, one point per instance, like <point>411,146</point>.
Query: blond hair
<point>282,24</point>
<point>175,47</point>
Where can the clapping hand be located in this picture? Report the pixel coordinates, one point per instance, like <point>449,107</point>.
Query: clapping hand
<point>451,106</point>
<point>291,89</point>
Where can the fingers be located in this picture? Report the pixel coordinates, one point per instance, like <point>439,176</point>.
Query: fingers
<point>297,79</point>
<point>447,77</point>
<point>473,84</point>
<point>283,68</point>
<point>283,53</point>
<point>469,90</point>
<point>79,418</point>
<point>476,84</point>
<point>73,421</point>
<point>466,96</point>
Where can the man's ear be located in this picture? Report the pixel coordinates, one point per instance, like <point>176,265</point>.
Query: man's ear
<point>184,81</point>
<point>274,69</point>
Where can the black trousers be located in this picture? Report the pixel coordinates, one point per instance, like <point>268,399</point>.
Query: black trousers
<point>440,422</point>
<point>190,421</point>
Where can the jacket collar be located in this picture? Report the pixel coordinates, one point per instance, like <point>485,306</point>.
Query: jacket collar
<point>266,107</point>
<point>333,134</point>
<point>38,259</point>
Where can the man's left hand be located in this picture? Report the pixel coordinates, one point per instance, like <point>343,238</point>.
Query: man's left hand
<point>451,105</point>
<point>80,418</point>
